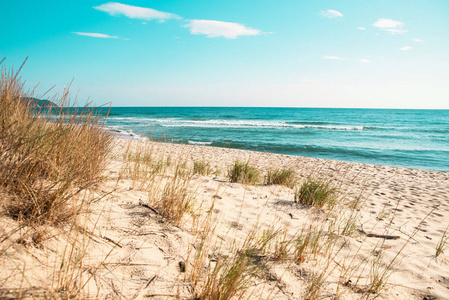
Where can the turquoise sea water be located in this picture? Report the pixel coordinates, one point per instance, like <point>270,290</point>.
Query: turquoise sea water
<point>394,137</point>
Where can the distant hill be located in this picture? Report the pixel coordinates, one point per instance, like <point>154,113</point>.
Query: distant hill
<point>39,103</point>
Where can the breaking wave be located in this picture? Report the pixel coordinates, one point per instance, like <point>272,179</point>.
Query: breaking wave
<point>173,122</point>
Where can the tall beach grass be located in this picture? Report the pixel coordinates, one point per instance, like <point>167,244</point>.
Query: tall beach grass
<point>45,164</point>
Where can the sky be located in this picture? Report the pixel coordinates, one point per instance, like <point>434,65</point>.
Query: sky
<point>289,53</point>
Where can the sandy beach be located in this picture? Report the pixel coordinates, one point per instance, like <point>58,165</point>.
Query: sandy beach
<point>378,241</point>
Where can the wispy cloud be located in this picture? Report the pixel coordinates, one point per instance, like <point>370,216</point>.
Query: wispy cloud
<point>361,28</point>
<point>330,13</point>
<point>134,12</point>
<point>406,48</point>
<point>333,57</point>
<point>391,26</point>
<point>395,31</point>
<point>364,60</point>
<point>96,35</point>
<point>212,29</point>
<point>418,40</point>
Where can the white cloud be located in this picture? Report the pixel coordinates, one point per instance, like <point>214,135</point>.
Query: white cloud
<point>333,57</point>
<point>330,13</point>
<point>213,29</point>
<point>361,28</point>
<point>395,31</point>
<point>388,23</point>
<point>391,26</point>
<point>406,48</point>
<point>418,40</point>
<point>364,60</point>
<point>96,35</point>
<point>134,12</point>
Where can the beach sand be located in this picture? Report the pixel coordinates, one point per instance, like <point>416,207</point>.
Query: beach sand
<point>132,251</point>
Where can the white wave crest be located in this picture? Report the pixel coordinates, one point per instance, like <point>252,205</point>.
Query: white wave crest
<point>199,143</point>
<point>250,124</point>
<point>124,134</point>
<point>174,122</point>
<point>330,127</point>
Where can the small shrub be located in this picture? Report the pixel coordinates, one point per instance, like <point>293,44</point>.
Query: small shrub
<point>316,192</point>
<point>280,176</point>
<point>244,173</point>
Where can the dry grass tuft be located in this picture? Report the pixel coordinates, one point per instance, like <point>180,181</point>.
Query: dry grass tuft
<point>201,167</point>
<point>230,275</point>
<point>175,199</point>
<point>310,242</point>
<point>141,164</point>
<point>281,176</point>
<point>167,179</point>
<point>44,164</point>
<point>316,192</point>
<point>51,163</point>
<point>441,246</point>
<point>244,173</point>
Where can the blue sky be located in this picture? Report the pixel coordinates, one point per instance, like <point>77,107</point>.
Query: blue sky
<point>345,53</point>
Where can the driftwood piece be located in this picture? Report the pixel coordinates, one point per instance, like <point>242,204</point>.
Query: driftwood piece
<point>150,208</point>
<point>111,241</point>
<point>383,236</point>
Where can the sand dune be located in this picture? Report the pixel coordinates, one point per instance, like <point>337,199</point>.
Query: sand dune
<point>133,251</point>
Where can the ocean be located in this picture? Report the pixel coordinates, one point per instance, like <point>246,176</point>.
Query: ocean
<point>394,137</point>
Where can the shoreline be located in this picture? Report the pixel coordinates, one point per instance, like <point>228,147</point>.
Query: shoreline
<point>124,135</point>
<point>389,139</point>
<point>396,178</point>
